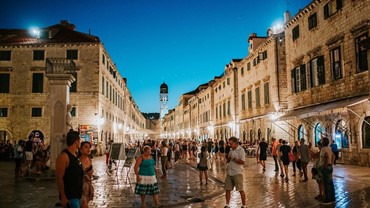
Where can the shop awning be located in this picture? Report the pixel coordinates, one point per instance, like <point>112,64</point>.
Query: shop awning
<point>322,109</point>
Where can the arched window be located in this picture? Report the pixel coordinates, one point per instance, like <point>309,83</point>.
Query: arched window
<point>341,134</point>
<point>302,133</point>
<point>366,133</point>
<point>318,132</point>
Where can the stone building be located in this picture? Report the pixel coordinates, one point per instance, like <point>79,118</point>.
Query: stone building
<point>328,73</point>
<point>308,80</point>
<point>262,85</point>
<point>102,106</point>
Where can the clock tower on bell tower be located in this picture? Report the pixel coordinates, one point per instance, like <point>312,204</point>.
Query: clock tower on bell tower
<point>163,99</point>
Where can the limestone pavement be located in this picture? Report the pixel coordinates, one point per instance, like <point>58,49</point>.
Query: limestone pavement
<point>182,188</point>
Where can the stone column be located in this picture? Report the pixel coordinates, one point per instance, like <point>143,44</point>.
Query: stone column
<point>60,79</point>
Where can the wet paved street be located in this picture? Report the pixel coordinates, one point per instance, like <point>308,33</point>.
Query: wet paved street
<point>182,188</point>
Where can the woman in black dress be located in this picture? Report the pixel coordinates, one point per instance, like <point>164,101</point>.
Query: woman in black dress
<point>284,151</point>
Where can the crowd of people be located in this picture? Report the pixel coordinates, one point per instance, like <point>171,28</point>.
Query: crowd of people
<point>74,168</point>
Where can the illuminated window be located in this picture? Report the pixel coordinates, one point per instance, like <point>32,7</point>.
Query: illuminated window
<point>366,133</point>
<point>302,132</point>
<point>318,133</point>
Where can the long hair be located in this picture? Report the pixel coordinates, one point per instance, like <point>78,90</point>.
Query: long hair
<point>203,150</point>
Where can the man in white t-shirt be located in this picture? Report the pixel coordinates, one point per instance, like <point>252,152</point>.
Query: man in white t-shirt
<point>234,171</point>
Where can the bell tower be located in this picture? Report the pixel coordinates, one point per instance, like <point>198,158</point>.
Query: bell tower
<point>163,99</point>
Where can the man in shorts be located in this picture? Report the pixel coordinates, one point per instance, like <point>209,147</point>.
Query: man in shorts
<point>234,176</point>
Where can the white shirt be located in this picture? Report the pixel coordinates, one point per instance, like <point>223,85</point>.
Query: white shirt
<point>234,168</point>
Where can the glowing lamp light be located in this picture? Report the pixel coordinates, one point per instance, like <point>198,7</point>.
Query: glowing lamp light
<point>35,32</point>
<point>101,121</point>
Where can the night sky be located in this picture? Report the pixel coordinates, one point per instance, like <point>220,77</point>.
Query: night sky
<point>184,43</point>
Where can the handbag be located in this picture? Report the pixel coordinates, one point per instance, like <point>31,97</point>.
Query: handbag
<point>291,156</point>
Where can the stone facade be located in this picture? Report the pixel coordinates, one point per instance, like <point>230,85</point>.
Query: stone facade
<point>101,100</point>
<point>307,81</point>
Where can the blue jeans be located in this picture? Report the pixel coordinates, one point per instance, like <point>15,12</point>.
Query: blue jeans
<point>327,177</point>
<point>74,203</point>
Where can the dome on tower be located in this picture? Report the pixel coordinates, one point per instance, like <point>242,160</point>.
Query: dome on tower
<point>164,88</point>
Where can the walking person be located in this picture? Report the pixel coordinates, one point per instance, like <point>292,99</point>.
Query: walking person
<point>87,187</point>
<point>334,149</point>
<point>278,152</point>
<point>326,161</point>
<point>18,155</point>
<point>284,150</point>
<point>297,162</point>
<point>274,151</point>
<point>234,171</point>
<point>304,155</point>
<point>164,151</point>
<point>262,153</point>
<point>203,165</point>
<point>146,181</point>
<point>69,172</point>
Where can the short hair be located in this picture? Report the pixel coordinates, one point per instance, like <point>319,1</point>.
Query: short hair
<point>72,136</point>
<point>233,139</point>
<point>325,141</point>
<point>284,142</point>
<point>85,142</point>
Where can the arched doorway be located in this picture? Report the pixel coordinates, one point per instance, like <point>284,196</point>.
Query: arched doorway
<point>341,134</point>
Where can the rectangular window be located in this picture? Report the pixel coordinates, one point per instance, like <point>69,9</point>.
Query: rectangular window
<point>36,112</point>
<point>4,83</point>
<point>228,81</point>
<point>102,85</point>
<point>312,21</point>
<point>224,108</point>
<point>106,89</point>
<point>335,62</point>
<point>262,55</point>
<point>73,111</point>
<point>5,55</point>
<point>243,102</point>
<point>258,104</point>
<point>295,32</point>
<point>250,99</point>
<point>256,61</point>
<point>242,71</point>
<point>298,76</point>
<point>317,71</point>
<point>72,54</point>
<point>38,55</point>
<point>73,87</point>
<point>37,82</point>
<point>103,59</point>
<point>361,54</point>
<point>219,111</point>
<point>216,112</point>
<point>248,66</point>
<point>3,112</point>
<point>266,93</point>
<point>332,7</point>
<point>228,108</point>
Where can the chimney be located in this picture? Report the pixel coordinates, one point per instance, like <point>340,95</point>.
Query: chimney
<point>67,25</point>
<point>286,17</point>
